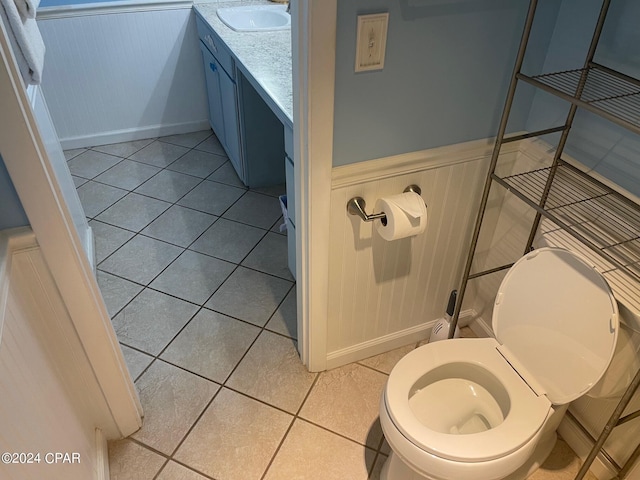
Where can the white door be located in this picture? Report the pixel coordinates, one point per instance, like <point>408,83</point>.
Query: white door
<point>25,157</point>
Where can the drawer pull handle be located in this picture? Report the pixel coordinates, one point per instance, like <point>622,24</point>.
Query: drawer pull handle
<point>213,67</point>
<point>211,43</point>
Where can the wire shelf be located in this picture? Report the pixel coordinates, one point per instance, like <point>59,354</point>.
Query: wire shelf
<point>603,91</point>
<point>587,209</point>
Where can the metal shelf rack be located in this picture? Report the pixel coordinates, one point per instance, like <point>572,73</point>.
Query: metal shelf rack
<point>596,215</point>
<point>601,90</point>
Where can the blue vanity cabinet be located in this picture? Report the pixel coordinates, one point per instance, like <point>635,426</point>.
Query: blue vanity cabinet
<point>212,71</point>
<point>228,92</point>
<point>290,172</point>
<point>262,137</point>
<point>222,92</point>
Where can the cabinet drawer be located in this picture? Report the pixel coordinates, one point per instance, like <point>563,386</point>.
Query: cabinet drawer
<point>216,46</point>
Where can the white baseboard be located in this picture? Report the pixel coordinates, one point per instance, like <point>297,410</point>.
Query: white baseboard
<point>581,444</point>
<point>128,135</point>
<point>102,456</point>
<point>385,343</point>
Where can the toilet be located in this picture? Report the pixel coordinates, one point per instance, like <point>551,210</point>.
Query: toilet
<point>488,408</point>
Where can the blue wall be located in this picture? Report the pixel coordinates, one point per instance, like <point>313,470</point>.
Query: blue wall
<point>446,73</point>
<point>11,212</point>
<point>600,145</point>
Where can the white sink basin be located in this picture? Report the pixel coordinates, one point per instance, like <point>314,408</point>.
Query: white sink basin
<point>255,18</point>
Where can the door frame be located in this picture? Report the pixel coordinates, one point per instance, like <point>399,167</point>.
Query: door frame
<point>313,55</point>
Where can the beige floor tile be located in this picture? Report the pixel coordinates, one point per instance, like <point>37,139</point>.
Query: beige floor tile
<point>130,461</point>
<point>172,400</point>
<point>562,464</point>
<point>312,453</point>
<point>377,467</point>
<point>346,401</point>
<point>159,154</point>
<point>123,149</point>
<point>285,318</point>
<point>386,361</point>
<point>272,372</point>
<point>136,361</point>
<point>116,291</point>
<point>188,140</point>
<point>385,447</point>
<point>108,238</point>
<point>151,320</point>
<point>175,471</point>
<point>250,296</point>
<point>466,332</point>
<point>211,345</point>
<point>235,438</point>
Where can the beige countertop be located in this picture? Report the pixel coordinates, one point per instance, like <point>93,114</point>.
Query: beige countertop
<point>264,58</point>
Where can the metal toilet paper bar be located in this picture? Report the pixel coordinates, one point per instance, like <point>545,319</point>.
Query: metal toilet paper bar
<point>357,205</point>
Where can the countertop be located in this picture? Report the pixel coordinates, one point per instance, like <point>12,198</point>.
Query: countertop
<point>264,58</point>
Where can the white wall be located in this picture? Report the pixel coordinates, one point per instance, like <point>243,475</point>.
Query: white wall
<point>51,401</point>
<point>121,74</point>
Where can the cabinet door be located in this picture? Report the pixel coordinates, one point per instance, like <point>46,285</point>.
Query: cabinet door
<point>213,73</point>
<point>229,94</point>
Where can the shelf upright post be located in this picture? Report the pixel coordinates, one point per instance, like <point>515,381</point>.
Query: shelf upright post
<point>613,422</point>
<point>494,160</point>
<point>615,419</point>
<point>569,122</point>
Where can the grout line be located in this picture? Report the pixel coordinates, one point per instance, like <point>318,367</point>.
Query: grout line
<point>224,385</point>
<point>164,465</point>
<point>202,474</point>
<point>154,358</point>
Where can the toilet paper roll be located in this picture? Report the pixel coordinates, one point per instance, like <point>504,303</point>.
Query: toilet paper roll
<point>406,216</point>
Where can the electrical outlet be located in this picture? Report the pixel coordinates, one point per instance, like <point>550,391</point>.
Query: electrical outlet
<point>371,41</point>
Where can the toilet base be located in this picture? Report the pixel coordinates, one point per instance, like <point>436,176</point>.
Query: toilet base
<point>395,469</point>
<point>540,454</point>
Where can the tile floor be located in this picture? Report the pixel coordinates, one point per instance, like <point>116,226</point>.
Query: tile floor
<point>192,267</point>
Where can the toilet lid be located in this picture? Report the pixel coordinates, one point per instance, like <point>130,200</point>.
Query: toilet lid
<point>557,319</point>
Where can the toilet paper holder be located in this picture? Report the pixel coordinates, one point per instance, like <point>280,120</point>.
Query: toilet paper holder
<point>357,205</point>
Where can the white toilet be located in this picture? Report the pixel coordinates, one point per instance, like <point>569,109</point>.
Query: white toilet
<point>488,409</point>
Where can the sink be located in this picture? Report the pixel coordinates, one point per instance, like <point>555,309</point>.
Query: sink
<point>255,18</point>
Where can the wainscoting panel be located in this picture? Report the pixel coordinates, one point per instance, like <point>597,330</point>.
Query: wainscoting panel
<point>112,77</point>
<point>386,294</point>
<point>51,402</point>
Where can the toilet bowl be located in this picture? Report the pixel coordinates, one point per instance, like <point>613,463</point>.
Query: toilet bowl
<point>488,408</point>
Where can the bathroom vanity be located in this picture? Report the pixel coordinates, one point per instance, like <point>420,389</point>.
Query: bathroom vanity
<point>249,87</point>
<point>248,78</point>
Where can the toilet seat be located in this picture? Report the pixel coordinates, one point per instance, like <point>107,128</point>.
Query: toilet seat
<point>525,414</point>
<point>556,326</point>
